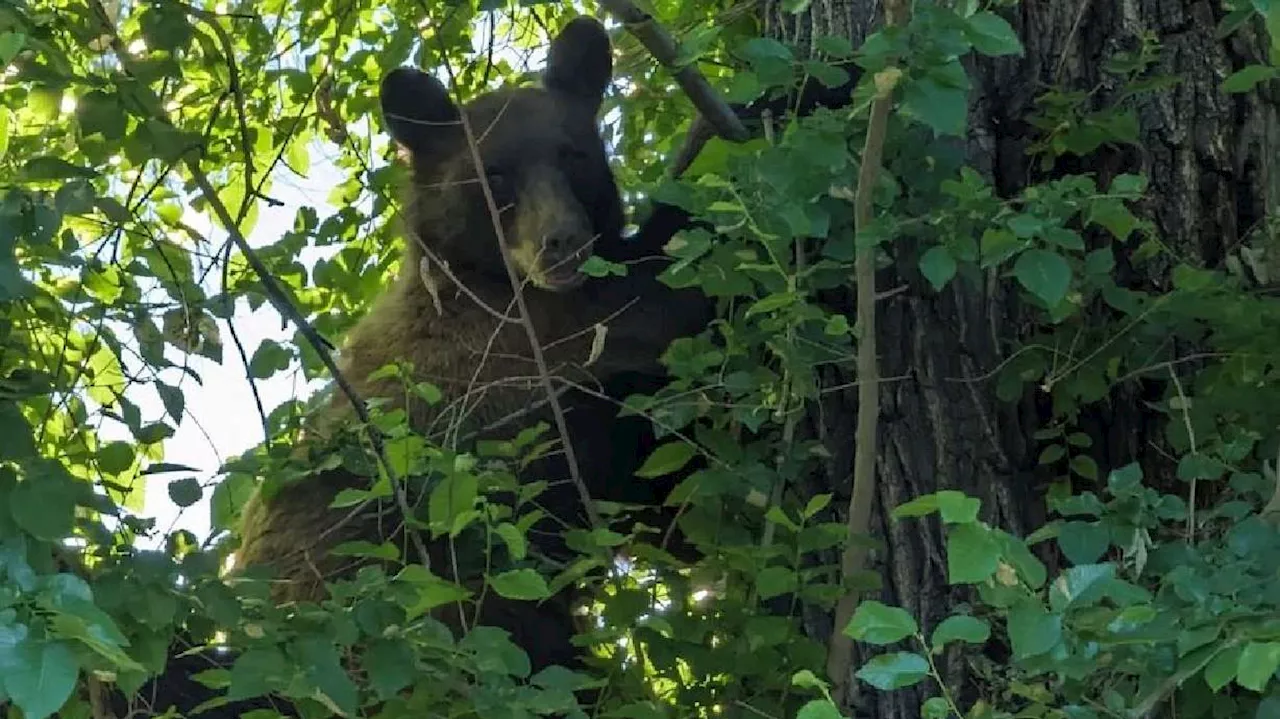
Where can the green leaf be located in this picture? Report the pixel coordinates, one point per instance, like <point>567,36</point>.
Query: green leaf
<point>818,537</point>
<point>1082,584</point>
<point>744,87</point>
<point>185,492</point>
<point>761,48</point>
<point>11,43</point>
<point>877,623</point>
<point>100,113</point>
<point>836,326</point>
<point>666,459</point>
<point>165,27</point>
<point>524,584</point>
<point>775,581</point>
<point>454,495</point>
<point>229,496</point>
<point>153,433</point>
<point>894,671</point>
<point>105,285</point>
<point>1127,480</point>
<point>1032,630</point>
<point>778,515</point>
<point>405,454</point>
<point>819,709</point>
<point>596,266</point>
<point>816,504</point>
<point>961,628</point>
<point>78,618</point>
<point>939,106</point>
<point>1027,226</point>
<point>1112,214</point>
<point>957,508</point>
<point>1258,662</point>
<point>1028,566</point>
<point>390,666</point>
<point>807,679</point>
<point>1083,542</point>
<point>362,548</point>
<point>973,554</point>
<point>54,168</point>
<point>517,546</point>
<point>1099,262</point>
<point>492,649</point>
<point>431,591</point>
<point>938,266</point>
<point>921,506</point>
<point>1129,185</point>
<point>1044,274</point>
<point>935,708</point>
<point>771,303</point>
<point>560,679</point>
<point>115,457</point>
<point>1222,669</point>
<point>173,400</point>
<point>1051,454</point>
<point>1198,465</point>
<point>1244,79</point>
<point>40,677</point>
<point>254,672</point>
<point>329,681</point>
<point>268,359</point>
<point>1083,465</point>
<point>43,504</point>
<point>836,46</point>
<point>992,35</point>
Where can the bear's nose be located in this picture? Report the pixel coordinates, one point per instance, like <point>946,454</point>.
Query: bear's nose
<point>560,243</point>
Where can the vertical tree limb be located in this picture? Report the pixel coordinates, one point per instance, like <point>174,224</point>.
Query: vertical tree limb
<point>839,650</point>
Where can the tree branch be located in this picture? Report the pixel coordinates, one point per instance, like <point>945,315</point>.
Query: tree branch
<point>663,47</point>
<point>840,649</point>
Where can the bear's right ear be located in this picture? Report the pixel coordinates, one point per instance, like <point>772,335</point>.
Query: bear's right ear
<point>580,62</point>
<point>418,111</point>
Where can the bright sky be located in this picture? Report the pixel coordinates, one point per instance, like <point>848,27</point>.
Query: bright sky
<point>220,420</point>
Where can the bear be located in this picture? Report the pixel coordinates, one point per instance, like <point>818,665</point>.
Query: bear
<point>450,314</point>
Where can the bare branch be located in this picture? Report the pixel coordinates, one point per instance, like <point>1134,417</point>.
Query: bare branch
<point>840,650</point>
<point>664,49</point>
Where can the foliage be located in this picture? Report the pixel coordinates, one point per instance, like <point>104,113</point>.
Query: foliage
<point>114,281</point>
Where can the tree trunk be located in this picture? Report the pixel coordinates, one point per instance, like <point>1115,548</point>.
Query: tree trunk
<point>1211,160</point>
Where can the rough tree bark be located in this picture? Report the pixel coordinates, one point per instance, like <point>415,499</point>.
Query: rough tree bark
<point>1212,162</point>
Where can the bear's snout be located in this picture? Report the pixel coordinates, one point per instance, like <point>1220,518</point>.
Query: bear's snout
<point>563,253</point>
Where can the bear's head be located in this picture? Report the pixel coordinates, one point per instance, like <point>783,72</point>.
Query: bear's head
<point>541,152</point>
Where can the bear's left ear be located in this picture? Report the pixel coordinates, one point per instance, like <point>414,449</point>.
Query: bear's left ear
<point>418,111</point>
<point>580,62</point>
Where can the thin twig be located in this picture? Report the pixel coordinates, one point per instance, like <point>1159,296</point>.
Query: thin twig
<point>1191,439</point>
<point>237,92</point>
<point>840,651</point>
<point>229,303</point>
